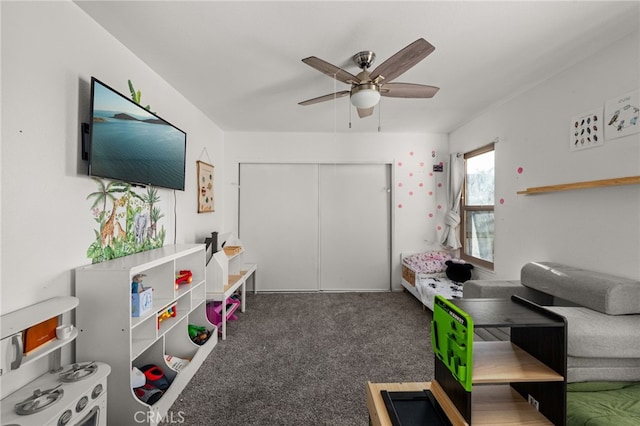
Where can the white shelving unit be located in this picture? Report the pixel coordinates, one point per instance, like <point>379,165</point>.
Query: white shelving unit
<point>225,275</point>
<point>108,332</point>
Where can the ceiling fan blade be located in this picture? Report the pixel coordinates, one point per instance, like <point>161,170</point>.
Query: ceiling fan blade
<point>408,90</point>
<point>331,70</point>
<point>325,98</point>
<point>403,60</point>
<point>365,112</point>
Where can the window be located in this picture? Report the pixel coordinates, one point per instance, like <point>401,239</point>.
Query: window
<point>476,207</point>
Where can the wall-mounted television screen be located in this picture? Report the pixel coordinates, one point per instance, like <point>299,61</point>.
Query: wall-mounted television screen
<point>130,144</point>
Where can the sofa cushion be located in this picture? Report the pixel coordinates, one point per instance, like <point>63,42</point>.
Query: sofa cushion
<point>596,335</point>
<point>602,292</point>
<point>593,369</point>
<point>501,289</point>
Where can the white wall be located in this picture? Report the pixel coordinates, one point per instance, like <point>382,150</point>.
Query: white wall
<point>415,192</point>
<point>592,228</point>
<point>50,50</point>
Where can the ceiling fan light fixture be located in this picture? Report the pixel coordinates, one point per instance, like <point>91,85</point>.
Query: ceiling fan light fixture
<point>365,95</point>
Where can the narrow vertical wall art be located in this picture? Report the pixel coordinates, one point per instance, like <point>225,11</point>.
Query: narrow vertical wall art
<point>205,187</point>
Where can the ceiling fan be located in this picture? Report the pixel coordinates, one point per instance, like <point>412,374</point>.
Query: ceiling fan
<point>367,87</point>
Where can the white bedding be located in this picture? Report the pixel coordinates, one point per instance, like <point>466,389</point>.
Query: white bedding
<point>427,287</point>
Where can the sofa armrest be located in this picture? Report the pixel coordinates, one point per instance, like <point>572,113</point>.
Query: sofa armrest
<point>501,289</point>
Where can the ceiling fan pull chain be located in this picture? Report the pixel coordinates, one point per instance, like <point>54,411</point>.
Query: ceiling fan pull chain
<point>379,114</point>
<point>349,116</point>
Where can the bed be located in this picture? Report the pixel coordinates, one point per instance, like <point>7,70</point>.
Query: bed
<point>424,276</point>
<point>603,404</point>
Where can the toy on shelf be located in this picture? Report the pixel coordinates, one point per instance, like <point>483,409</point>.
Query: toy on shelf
<point>141,297</point>
<point>176,363</point>
<point>198,334</point>
<point>214,311</point>
<point>170,312</point>
<point>136,283</point>
<point>185,276</point>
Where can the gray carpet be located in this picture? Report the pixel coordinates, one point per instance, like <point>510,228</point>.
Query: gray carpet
<point>304,359</point>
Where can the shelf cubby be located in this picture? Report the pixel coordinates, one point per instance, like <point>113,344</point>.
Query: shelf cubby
<point>198,294</point>
<point>178,342</point>
<point>505,362</point>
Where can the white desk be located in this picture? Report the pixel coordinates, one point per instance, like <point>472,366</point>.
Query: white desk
<point>247,271</point>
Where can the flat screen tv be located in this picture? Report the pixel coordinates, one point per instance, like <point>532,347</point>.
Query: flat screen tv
<point>130,144</point>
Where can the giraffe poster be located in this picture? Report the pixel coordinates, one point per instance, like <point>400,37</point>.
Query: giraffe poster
<point>127,221</point>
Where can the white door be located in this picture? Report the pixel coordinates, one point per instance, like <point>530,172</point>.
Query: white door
<point>354,227</point>
<point>317,227</point>
<point>278,224</point>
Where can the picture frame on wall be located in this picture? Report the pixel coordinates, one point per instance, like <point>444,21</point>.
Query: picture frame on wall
<point>622,115</point>
<point>586,130</point>
<point>205,187</point>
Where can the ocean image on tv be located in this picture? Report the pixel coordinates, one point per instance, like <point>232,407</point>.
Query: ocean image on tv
<point>132,145</point>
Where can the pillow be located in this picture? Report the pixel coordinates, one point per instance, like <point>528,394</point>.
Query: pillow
<point>458,271</point>
<point>430,262</point>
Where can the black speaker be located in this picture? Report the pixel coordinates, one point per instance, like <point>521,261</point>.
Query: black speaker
<point>84,130</point>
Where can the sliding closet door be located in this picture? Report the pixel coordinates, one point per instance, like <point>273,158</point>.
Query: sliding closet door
<point>279,224</point>
<point>354,227</point>
<point>317,227</point>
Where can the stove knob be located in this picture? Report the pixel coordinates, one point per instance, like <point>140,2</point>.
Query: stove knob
<point>65,418</point>
<point>82,403</point>
<point>97,391</point>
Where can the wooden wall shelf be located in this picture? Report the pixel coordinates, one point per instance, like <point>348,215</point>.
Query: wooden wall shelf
<point>630,180</point>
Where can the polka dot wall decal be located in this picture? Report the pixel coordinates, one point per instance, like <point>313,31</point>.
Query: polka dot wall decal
<point>439,185</point>
<point>430,173</point>
<point>400,184</point>
<point>399,163</point>
<point>430,192</point>
<point>501,200</point>
<point>441,163</point>
<point>411,174</point>
<point>400,205</point>
<point>433,153</point>
<point>410,192</point>
<point>422,164</point>
<point>439,207</point>
<point>439,228</point>
<point>430,214</point>
<point>411,153</point>
<point>421,184</point>
<point>520,170</point>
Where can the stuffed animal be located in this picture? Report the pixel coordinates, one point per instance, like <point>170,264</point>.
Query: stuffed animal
<point>458,272</point>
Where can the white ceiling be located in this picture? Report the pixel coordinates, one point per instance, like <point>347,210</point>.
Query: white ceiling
<point>240,62</point>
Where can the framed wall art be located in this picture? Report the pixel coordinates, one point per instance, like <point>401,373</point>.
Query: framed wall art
<point>205,187</point>
<point>586,130</point>
<point>622,114</point>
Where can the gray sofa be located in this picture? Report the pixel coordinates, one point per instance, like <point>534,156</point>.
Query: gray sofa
<point>602,312</point>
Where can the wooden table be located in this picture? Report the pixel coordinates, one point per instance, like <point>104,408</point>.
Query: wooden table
<point>378,412</point>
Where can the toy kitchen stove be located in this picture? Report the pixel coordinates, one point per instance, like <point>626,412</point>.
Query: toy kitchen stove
<point>61,395</point>
<point>74,396</point>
